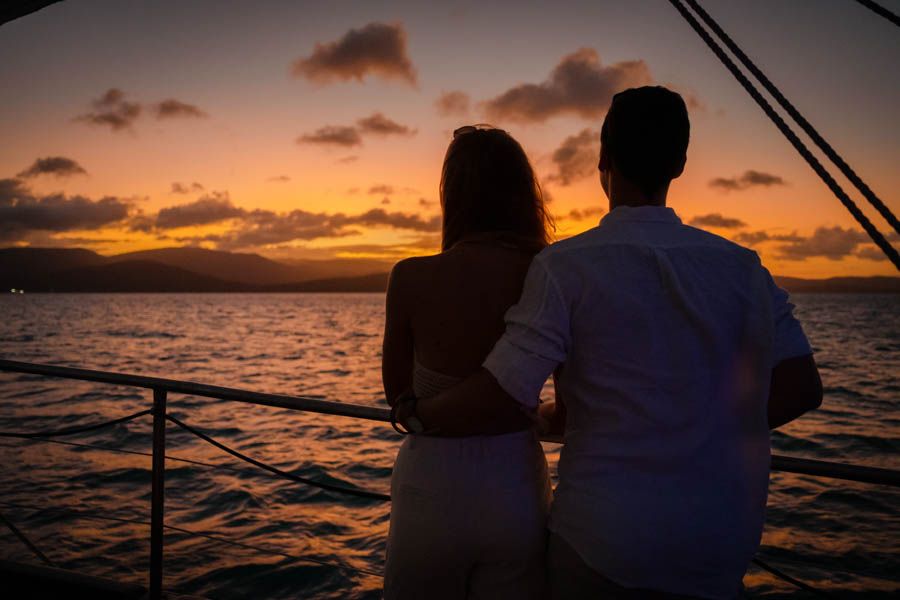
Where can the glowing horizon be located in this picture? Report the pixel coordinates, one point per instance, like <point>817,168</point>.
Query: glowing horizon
<point>292,131</point>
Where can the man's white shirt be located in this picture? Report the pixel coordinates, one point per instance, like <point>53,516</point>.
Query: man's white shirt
<point>667,335</point>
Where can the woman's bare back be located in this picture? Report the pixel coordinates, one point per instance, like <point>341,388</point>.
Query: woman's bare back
<point>457,300</point>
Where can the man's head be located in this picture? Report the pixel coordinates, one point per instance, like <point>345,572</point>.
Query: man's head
<point>643,145</point>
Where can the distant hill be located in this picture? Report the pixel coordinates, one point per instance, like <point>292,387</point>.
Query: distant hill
<point>841,285</point>
<point>253,268</point>
<point>199,270</point>
<point>181,270</point>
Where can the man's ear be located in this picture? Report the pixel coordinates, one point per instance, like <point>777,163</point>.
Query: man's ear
<point>603,165</point>
<point>679,169</point>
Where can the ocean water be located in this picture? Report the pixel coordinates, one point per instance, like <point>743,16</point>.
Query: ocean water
<point>300,542</point>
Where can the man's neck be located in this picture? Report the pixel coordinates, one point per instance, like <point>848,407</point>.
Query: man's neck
<point>624,193</point>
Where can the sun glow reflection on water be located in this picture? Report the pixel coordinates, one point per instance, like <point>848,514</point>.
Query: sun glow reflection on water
<point>833,534</point>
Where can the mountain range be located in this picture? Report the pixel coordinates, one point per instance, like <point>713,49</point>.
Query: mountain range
<point>201,270</point>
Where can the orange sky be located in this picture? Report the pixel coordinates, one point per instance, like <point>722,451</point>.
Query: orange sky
<point>253,90</point>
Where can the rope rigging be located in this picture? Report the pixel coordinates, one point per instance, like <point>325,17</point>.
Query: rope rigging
<point>215,538</point>
<point>813,162</point>
<point>24,539</point>
<point>360,493</point>
<point>74,430</point>
<point>805,125</point>
<point>881,11</point>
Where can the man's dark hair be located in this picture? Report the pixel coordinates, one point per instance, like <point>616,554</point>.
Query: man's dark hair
<point>645,135</point>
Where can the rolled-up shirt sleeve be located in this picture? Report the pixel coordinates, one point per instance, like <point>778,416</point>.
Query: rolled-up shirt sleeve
<point>536,340</point>
<point>790,341</point>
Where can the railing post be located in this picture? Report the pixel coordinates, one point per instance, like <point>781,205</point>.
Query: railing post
<point>158,493</point>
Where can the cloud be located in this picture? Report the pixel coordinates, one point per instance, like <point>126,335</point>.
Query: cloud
<point>398,220</point>
<point>871,253</point>
<point>348,159</point>
<point>453,104</point>
<point>59,166</point>
<point>579,85</point>
<point>377,49</point>
<point>332,135</point>
<point>378,124</point>
<point>752,238</point>
<point>21,212</point>
<point>834,243</point>
<point>425,203</point>
<point>581,214</point>
<point>113,111</point>
<point>749,179</point>
<point>385,200</point>
<point>279,178</point>
<point>185,188</point>
<point>382,189</point>
<point>717,220</point>
<point>576,157</point>
<point>171,108</point>
<point>349,135</point>
<point>213,208</point>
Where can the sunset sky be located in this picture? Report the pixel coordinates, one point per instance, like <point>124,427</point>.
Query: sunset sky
<point>315,130</point>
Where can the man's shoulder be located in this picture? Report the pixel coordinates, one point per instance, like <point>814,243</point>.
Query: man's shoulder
<point>712,240</point>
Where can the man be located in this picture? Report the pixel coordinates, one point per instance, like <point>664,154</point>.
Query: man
<point>679,354</point>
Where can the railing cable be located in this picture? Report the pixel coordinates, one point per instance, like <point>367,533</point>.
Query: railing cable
<point>793,581</point>
<point>360,493</point>
<point>805,125</point>
<point>74,430</point>
<point>212,537</point>
<point>813,162</point>
<point>881,11</point>
<point>136,453</point>
<point>24,539</point>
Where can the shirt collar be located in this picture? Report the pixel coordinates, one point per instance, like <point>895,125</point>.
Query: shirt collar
<point>646,214</point>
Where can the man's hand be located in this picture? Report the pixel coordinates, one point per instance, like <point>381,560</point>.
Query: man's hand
<point>796,389</point>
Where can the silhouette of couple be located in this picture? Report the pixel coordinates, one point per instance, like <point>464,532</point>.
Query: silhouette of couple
<point>672,351</point>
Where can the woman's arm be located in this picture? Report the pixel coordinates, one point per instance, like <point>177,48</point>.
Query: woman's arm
<point>554,413</point>
<point>397,348</point>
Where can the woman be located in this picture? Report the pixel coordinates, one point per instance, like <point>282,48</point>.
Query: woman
<point>469,514</point>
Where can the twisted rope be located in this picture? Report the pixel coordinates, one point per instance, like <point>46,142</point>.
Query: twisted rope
<point>813,162</point>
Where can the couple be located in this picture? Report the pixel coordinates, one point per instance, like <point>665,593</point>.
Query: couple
<point>672,351</point>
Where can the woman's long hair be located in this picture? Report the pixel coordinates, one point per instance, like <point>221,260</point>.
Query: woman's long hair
<point>488,186</point>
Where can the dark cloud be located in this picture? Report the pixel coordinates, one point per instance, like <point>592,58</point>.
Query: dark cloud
<point>425,203</point>
<point>717,220</point>
<point>378,124</point>
<point>21,212</point>
<point>385,200</point>
<point>60,166</point>
<point>576,157</point>
<point>377,49</point>
<point>453,104</point>
<point>834,243</point>
<point>113,111</point>
<point>578,85</point>
<point>332,135</point>
<point>752,238</point>
<point>171,108</point>
<point>382,189</point>
<point>749,179</point>
<point>581,214</point>
<point>398,220</point>
<point>349,135</point>
<point>871,253</point>
<point>213,208</point>
<point>185,188</point>
<point>279,178</point>
<point>347,160</point>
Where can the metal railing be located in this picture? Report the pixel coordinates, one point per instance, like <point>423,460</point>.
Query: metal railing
<point>162,387</point>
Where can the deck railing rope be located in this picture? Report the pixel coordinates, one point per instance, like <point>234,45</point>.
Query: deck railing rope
<point>161,388</point>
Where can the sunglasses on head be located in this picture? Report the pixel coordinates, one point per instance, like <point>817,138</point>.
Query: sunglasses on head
<point>473,128</point>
